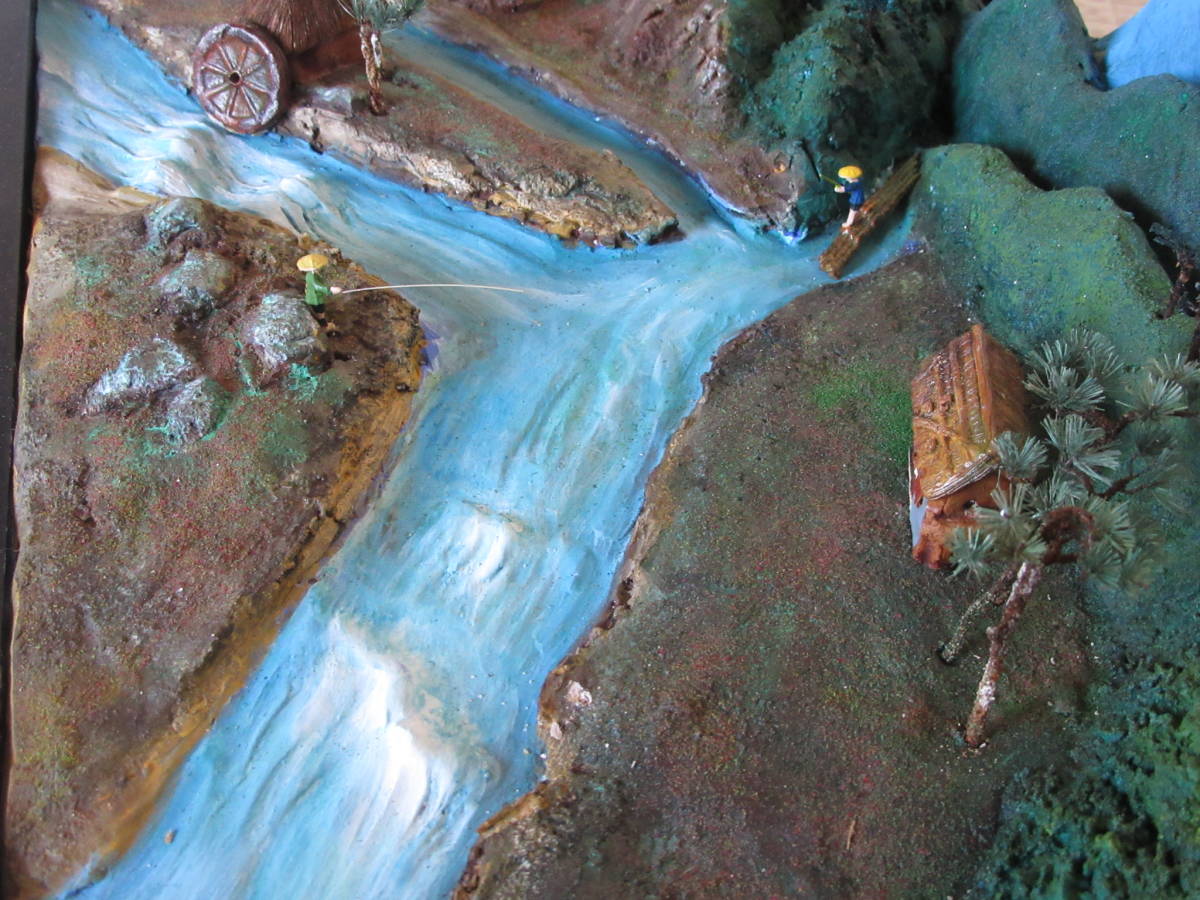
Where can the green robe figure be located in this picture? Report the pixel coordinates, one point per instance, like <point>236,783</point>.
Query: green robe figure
<point>316,291</point>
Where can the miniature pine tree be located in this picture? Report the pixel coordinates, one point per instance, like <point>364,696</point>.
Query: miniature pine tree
<point>1110,432</point>
<point>375,17</point>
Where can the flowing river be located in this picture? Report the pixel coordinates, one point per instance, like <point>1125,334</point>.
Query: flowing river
<point>396,710</point>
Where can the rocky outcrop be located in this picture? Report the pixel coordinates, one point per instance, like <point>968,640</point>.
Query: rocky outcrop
<point>757,97</point>
<point>1137,143</point>
<point>172,502</point>
<point>141,374</point>
<point>282,332</point>
<point>435,136</point>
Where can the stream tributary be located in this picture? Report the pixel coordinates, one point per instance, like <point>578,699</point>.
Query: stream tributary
<point>396,710</point>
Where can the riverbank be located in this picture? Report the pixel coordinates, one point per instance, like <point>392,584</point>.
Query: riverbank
<point>190,447</point>
<point>434,136</point>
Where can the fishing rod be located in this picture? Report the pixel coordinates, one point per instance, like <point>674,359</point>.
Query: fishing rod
<point>334,289</point>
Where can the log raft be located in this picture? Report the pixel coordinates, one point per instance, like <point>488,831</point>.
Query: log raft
<point>833,261</point>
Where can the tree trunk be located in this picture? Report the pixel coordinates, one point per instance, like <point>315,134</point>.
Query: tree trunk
<point>995,595</point>
<point>1028,577</point>
<point>372,52</point>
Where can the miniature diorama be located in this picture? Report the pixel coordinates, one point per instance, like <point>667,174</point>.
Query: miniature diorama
<point>607,448</point>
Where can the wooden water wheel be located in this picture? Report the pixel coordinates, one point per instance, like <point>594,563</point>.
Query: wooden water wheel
<point>240,76</point>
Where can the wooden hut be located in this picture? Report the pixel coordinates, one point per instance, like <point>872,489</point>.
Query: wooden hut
<point>964,396</point>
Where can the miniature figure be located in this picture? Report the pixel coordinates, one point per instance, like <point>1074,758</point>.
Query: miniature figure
<point>316,291</point>
<point>1065,500</point>
<point>852,186</point>
<point>863,218</point>
<point>964,397</point>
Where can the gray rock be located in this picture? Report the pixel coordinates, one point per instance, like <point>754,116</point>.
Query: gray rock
<point>197,285</point>
<point>196,410</point>
<point>170,219</point>
<point>282,331</point>
<point>335,98</point>
<point>141,374</point>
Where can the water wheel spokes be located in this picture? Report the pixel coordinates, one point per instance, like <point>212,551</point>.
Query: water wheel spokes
<point>240,76</point>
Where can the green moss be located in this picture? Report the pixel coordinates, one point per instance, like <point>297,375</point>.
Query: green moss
<point>1035,263</point>
<point>91,272</point>
<point>874,395</point>
<point>285,442</point>
<point>854,86</point>
<point>1122,822</point>
<point>1137,143</point>
<point>302,382</point>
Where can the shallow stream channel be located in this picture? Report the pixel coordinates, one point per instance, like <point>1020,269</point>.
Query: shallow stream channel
<point>396,710</point>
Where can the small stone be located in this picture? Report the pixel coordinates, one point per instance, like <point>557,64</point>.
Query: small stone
<point>196,410</point>
<point>282,331</point>
<point>177,216</point>
<point>142,373</point>
<point>335,98</point>
<point>578,695</point>
<point>198,284</point>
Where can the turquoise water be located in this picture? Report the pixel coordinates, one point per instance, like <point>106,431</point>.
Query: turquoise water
<point>1162,39</point>
<point>396,710</point>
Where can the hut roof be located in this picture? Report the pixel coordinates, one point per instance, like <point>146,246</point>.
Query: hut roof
<point>965,395</point>
<point>299,25</point>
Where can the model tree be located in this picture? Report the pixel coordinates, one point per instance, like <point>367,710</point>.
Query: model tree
<point>1110,432</point>
<point>375,17</point>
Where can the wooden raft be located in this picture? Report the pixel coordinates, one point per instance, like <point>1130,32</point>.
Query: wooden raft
<point>964,396</point>
<point>879,204</point>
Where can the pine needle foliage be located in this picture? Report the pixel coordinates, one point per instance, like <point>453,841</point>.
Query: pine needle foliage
<point>1109,431</point>
<point>383,15</point>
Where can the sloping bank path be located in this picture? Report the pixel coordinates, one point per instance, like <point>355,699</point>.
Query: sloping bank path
<point>396,709</point>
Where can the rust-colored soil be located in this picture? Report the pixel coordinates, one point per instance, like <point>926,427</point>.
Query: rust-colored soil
<point>664,69</point>
<point>766,715</point>
<point>435,135</point>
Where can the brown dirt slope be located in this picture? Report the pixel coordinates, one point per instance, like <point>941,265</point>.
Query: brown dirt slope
<point>189,446</point>
<point>665,69</point>
<point>435,136</point>
<point>761,713</point>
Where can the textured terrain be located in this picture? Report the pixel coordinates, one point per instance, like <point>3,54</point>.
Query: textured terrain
<point>1137,142</point>
<point>435,135</point>
<point>760,712</point>
<point>764,713</point>
<point>758,98</point>
<point>190,443</point>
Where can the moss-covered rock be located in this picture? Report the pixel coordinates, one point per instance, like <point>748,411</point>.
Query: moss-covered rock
<point>1033,263</point>
<point>1137,142</point>
<point>855,85</point>
<point>1036,263</point>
